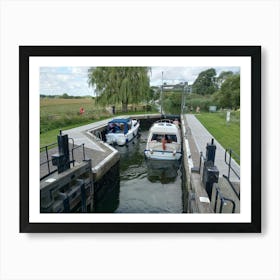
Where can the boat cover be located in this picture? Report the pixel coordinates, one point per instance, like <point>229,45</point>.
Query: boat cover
<point>125,122</point>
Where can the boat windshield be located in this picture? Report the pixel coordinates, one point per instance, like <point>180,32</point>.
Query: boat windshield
<point>117,128</point>
<point>168,137</point>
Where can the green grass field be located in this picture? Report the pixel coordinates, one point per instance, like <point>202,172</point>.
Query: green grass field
<point>56,114</point>
<point>228,135</point>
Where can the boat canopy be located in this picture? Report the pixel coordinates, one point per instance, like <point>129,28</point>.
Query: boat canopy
<point>127,120</point>
<point>119,125</point>
<point>164,128</point>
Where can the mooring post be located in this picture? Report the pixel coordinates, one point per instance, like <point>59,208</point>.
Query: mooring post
<point>210,171</point>
<point>62,159</point>
<point>211,151</point>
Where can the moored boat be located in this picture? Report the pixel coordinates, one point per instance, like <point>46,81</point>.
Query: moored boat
<point>164,141</point>
<point>121,131</point>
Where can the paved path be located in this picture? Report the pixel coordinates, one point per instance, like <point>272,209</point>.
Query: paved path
<point>202,137</point>
<point>82,136</point>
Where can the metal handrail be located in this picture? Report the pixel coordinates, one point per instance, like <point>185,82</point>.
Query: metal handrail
<point>223,199</point>
<point>84,155</point>
<point>48,160</point>
<point>230,168</point>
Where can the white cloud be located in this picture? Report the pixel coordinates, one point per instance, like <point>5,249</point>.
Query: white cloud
<point>59,80</point>
<point>173,75</point>
<point>74,80</point>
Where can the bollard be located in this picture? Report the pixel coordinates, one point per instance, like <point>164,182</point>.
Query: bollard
<point>210,176</point>
<point>210,171</point>
<point>62,159</point>
<point>211,151</point>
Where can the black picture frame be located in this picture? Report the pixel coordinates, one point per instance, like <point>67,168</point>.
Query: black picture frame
<point>254,52</point>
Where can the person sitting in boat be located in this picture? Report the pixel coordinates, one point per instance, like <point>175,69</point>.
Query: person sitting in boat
<point>111,127</point>
<point>117,128</point>
<point>163,141</point>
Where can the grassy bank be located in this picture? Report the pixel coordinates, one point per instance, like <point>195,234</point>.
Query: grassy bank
<point>56,114</point>
<point>228,135</point>
<point>61,113</point>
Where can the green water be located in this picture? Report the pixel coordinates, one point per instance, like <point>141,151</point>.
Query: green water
<point>148,186</point>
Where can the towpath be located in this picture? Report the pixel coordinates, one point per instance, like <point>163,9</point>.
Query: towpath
<point>201,137</point>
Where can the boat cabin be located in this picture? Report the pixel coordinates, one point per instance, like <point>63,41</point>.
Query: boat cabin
<point>119,126</point>
<point>169,138</point>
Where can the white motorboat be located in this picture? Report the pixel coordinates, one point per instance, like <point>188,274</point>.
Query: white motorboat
<point>164,141</point>
<point>121,131</point>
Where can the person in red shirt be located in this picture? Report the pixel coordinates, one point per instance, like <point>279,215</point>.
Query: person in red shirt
<point>82,110</point>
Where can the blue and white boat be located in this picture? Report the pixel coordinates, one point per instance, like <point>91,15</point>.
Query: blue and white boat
<point>121,131</point>
<point>164,141</point>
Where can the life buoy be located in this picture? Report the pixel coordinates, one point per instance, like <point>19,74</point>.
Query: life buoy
<point>163,141</point>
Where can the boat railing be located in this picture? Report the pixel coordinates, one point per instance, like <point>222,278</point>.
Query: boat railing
<point>164,121</point>
<point>161,151</point>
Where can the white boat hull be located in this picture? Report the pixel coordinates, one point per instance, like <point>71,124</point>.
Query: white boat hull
<point>164,141</point>
<point>162,155</point>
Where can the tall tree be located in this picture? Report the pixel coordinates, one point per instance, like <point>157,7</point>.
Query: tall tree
<point>205,83</point>
<point>120,84</point>
<point>229,94</point>
<point>222,77</point>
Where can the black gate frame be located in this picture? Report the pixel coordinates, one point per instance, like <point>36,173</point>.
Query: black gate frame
<point>254,52</point>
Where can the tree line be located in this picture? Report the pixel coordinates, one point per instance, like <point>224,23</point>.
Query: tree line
<point>225,88</point>
<point>64,96</point>
<point>131,85</point>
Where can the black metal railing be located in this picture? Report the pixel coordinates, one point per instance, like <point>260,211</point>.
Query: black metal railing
<point>48,159</point>
<point>72,153</point>
<point>230,152</point>
<point>228,162</point>
<point>219,195</point>
<point>47,162</point>
<point>223,200</point>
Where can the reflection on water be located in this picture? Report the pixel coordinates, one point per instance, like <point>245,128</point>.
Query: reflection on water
<point>148,186</point>
<point>162,171</point>
<point>107,192</point>
<point>142,186</point>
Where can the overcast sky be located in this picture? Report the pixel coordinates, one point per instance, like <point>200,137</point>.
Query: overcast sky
<point>74,80</point>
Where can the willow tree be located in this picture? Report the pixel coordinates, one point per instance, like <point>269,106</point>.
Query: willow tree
<point>120,84</point>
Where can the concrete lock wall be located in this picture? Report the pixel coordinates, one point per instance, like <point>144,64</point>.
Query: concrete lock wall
<point>196,195</point>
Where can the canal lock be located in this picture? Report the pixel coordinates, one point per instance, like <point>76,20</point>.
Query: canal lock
<point>136,185</point>
<point>128,184</point>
